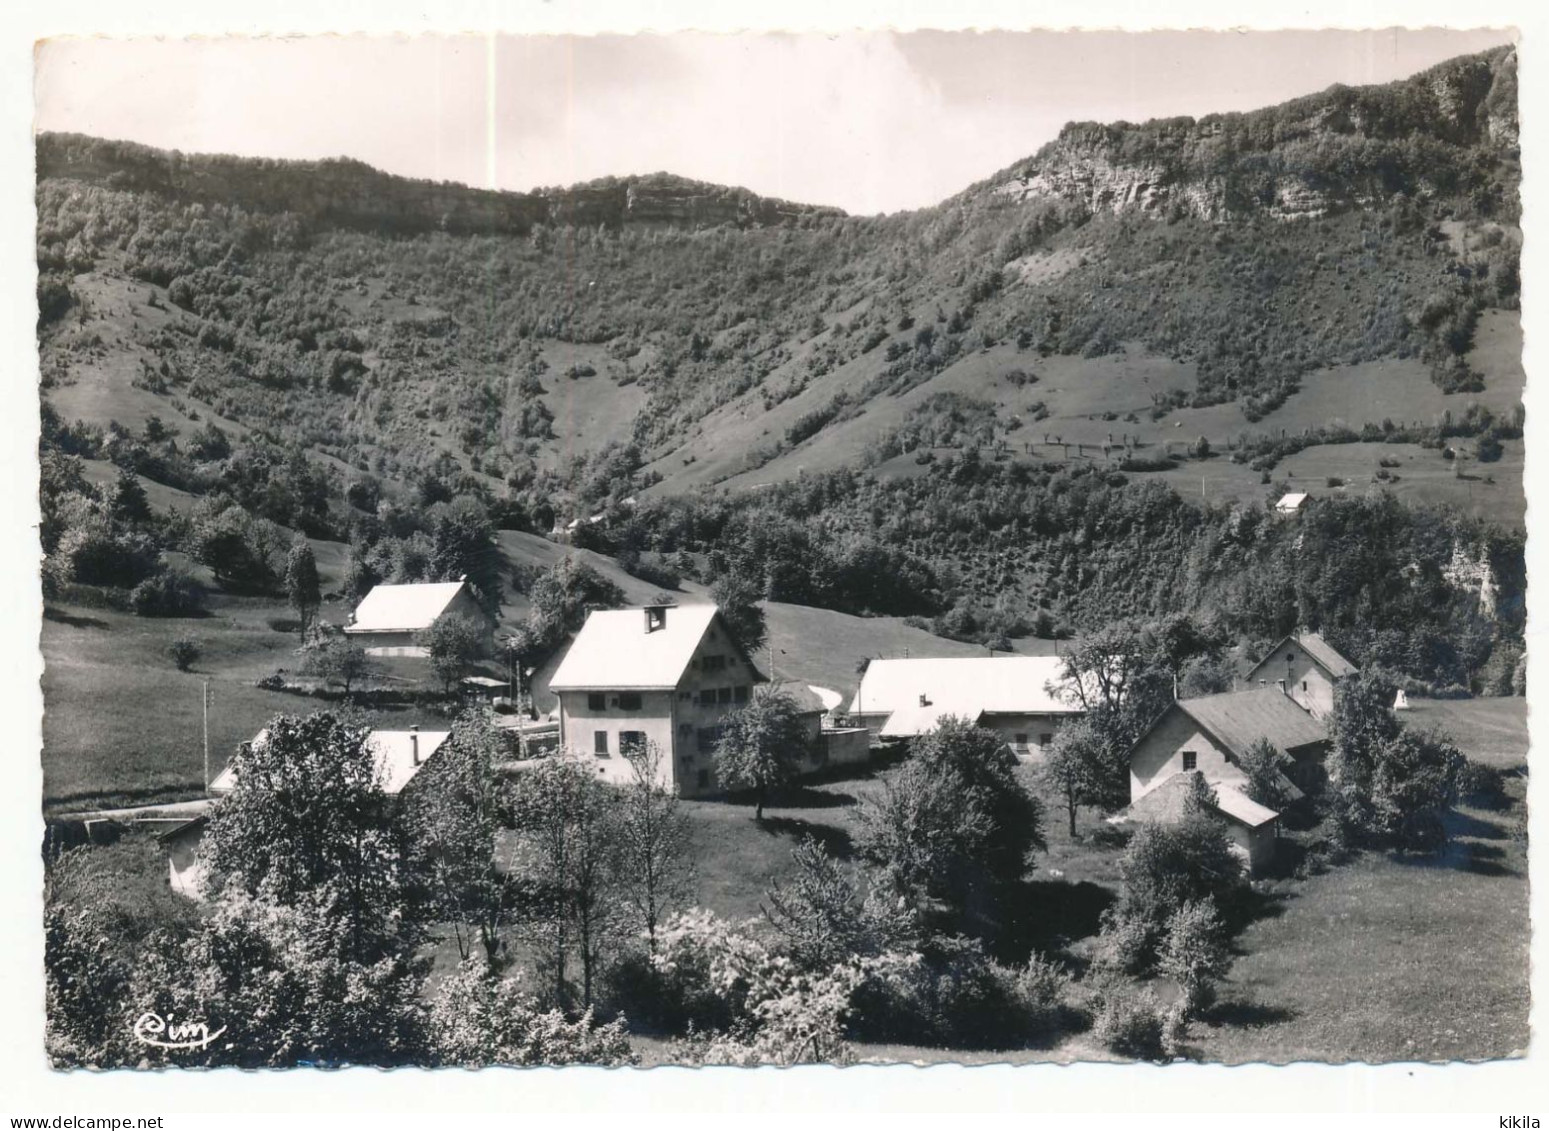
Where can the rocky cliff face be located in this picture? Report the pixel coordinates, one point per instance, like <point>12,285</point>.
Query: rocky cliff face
<point>1343,148</point>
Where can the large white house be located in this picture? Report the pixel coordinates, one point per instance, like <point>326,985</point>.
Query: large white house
<point>386,620</point>
<point>1024,698</point>
<point>1307,668</point>
<point>662,674</point>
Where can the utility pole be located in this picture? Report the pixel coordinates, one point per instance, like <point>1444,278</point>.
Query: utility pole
<point>205,700</point>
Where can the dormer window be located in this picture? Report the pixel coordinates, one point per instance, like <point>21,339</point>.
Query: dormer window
<point>655,618</point>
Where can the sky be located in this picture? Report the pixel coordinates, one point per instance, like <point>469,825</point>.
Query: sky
<point>870,122</point>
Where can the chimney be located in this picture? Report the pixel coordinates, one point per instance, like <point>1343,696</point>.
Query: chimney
<point>414,742</point>
<point>924,700</point>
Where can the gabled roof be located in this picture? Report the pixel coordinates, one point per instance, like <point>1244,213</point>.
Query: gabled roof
<point>404,608</point>
<point>967,686</point>
<point>1291,500</point>
<point>1319,650</point>
<point>1165,804</point>
<point>1238,719</point>
<point>394,750</point>
<point>614,652</point>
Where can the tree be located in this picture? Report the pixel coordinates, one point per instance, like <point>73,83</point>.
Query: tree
<point>1086,769</point>
<point>463,546</point>
<point>302,588</point>
<point>239,547</point>
<point>560,600</point>
<point>454,642</point>
<point>826,919</point>
<point>737,597</point>
<point>454,814</point>
<point>1194,953</point>
<point>566,819</point>
<point>1414,783</point>
<point>761,747</point>
<point>335,659</point>
<point>307,812</point>
<point>1267,768</point>
<point>129,502</point>
<point>952,823</point>
<point>653,843</point>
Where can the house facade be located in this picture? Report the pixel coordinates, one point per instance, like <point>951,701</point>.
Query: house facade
<point>1208,736</point>
<point>1307,667</point>
<point>663,674</point>
<point>1022,698</point>
<point>387,619</point>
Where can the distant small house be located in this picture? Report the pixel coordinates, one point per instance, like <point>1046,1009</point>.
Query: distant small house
<point>662,674</point>
<point>1307,668</point>
<point>1209,736</point>
<point>1021,697</point>
<point>184,871</point>
<point>385,622</point>
<point>1291,503</point>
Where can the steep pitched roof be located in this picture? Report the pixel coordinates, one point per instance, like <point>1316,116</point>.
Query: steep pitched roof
<point>1324,654</point>
<point>613,651</point>
<point>1238,719</point>
<point>965,686</point>
<point>1319,650</point>
<point>404,608</point>
<point>394,750</point>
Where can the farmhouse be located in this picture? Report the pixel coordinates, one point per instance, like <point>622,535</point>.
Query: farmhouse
<point>384,623</point>
<point>1021,697</point>
<point>1307,668</point>
<point>662,674</point>
<point>1208,736</point>
<point>400,754</point>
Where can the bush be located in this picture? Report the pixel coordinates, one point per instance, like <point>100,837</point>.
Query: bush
<point>954,996</point>
<point>1129,1021</point>
<point>1481,785</point>
<point>184,652</point>
<point>167,593</point>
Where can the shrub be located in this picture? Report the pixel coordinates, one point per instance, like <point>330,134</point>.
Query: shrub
<point>1481,785</point>
<point>167,593</point>
<point>184,651</point>
<point>1129,1021</point>
<point>1195,954</point>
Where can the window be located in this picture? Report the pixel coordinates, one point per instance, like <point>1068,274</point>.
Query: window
<point>713,664</point>
<point>723,695</point>
<point>1019,739</point>
<point>596,701</point>
<point>707,696</point>
<point>685,731</point>
<point>741,695</point>
<point>1190,760</point>
<point>631,742</point>
<point>1304,685</point>
<point>708,737</point>
<point>704,779</point>
<point>629,701</point>
<point>1045,741</point>
<point>1290,658</point>
<point>600,743</point>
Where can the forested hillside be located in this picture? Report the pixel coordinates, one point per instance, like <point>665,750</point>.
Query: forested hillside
<point>337,351</point>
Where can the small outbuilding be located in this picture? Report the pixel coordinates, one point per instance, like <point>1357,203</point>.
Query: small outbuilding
<point>1291,503</point>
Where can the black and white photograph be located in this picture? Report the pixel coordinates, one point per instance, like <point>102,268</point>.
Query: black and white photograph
<point>887,547</point>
